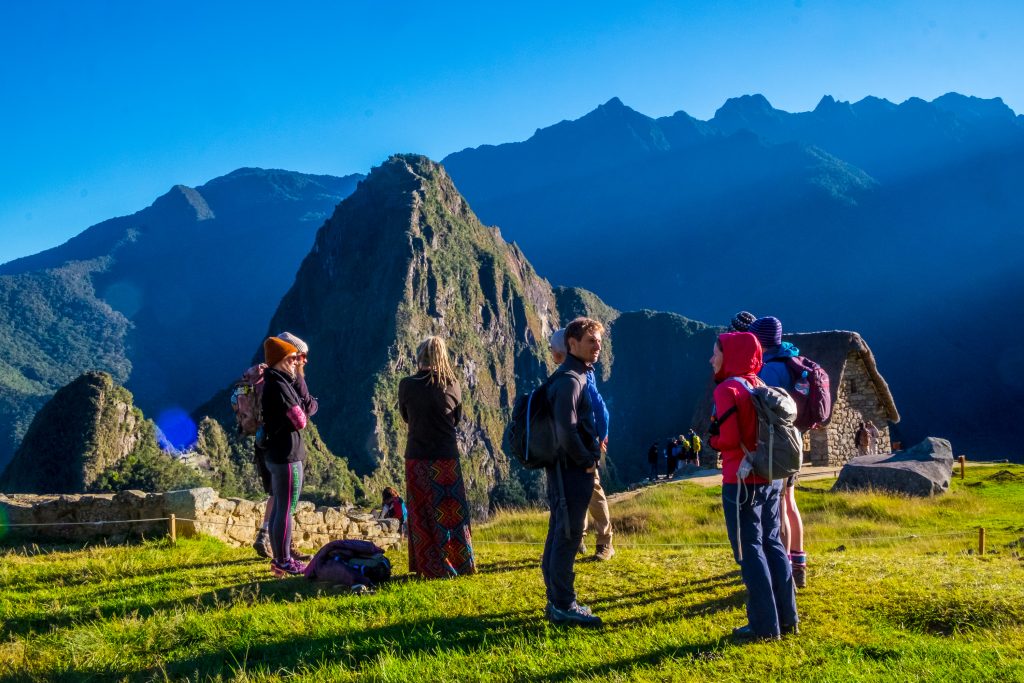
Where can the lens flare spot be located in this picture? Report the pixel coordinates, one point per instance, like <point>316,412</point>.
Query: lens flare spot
<point>179,431</point>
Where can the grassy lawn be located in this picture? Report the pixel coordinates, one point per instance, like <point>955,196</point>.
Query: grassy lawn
<point>879,606</point>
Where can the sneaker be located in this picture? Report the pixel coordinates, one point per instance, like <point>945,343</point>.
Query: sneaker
<point>800,575</point>
<point>262,544</point>
<point>575,615</point>
<point>746,634</point>
<point>300,556</point>
<point>289,567</point>
<point>582,550</point>
<point>604,552</point>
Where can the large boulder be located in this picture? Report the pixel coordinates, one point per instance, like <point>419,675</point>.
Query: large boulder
<point>923,470</point>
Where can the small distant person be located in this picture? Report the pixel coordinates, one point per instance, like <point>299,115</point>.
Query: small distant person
<point>862,439</point>
<point>652,462</point>
<point>695,446</point>
<point>768,331</point>
<point>671,457</point>
<point>284,450</point>
<point>570,482</point>
<point>741,321</point>
<point>750,503</point>
<point>393,507</point>
<point>430,402</point>
<point>872,437</point>
<point>598,508</point>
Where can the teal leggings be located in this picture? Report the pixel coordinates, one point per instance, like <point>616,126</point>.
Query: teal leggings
<point>286,485</point>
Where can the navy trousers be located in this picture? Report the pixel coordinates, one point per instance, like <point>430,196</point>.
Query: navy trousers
<point>767,574</point>
<point>558,563</point>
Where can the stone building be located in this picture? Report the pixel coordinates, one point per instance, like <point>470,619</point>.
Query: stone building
<point>859,394</point>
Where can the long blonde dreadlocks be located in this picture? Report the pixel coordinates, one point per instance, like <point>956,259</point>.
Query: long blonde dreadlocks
<point>432,354</point>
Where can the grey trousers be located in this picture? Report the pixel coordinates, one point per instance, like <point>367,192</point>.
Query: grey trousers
<point>558,563</point>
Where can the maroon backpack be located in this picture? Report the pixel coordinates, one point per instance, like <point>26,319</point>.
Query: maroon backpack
<point>349,562</point>
<point>247,400</point>
<point>811,391</point>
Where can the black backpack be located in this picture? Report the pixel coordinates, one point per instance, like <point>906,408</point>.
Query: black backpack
<point>530,434</point>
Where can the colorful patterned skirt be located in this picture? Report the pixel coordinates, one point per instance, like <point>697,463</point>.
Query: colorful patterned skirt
<point>440,543</point>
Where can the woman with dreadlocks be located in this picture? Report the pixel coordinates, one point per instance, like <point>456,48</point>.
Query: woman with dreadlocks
<point>440,544</point>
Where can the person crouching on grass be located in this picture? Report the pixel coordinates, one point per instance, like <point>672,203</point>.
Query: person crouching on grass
<point>751,504</point>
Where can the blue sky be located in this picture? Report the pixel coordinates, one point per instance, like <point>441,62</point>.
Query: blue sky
<point>109,104</point>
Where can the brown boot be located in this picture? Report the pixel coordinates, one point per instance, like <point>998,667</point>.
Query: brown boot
<point>262,544</point>
<point>604,552</point>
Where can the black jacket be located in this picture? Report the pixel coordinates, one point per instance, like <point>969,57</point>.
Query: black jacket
<point>575,430</point>
<point>283,440</point>
<point>432,413</point>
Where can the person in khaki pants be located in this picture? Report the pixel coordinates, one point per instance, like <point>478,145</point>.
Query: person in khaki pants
<point>598,508</point>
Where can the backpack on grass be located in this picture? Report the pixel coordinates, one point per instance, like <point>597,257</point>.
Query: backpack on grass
<point>811,391</point>
<point>247,400</point>
<point>530,434</point>
<point>349,562</point>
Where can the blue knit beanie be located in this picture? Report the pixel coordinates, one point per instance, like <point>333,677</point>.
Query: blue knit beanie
<point>768,331</point>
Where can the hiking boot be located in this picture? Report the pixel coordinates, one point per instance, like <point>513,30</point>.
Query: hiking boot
<point>575,615</point>
<point>582,550</point>
<point>746,634</point>
<point>791,630</point>
<point>262,544</point>
<point>289,567</point>
<point>800,575</point>
<point>300,556</point>
<point>604,552</point>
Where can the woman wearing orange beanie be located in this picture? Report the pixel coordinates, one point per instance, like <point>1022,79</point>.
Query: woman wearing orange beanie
<point>285,452</point>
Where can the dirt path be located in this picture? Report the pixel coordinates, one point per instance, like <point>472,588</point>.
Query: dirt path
<point>714,478</point>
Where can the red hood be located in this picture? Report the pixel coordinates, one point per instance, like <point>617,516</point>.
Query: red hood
<point>742,355</point>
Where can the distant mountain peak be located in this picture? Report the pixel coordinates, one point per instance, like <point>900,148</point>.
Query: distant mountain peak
<point>971,107</point>
<point>182,196</point>
<point>756,103</point>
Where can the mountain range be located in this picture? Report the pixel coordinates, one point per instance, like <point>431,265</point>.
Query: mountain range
<point>902,221</point>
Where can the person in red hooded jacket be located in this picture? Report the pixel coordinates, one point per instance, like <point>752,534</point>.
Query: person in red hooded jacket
<point>751,503</point>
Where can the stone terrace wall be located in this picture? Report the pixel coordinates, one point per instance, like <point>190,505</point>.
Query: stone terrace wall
<point>232,520</point>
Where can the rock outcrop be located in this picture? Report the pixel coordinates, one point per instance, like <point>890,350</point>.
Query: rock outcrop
<point>402,258</point>
<point>923,470</point>
<point>88,426</point>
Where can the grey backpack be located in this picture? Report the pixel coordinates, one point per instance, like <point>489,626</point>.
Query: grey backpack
<point>780,448</point>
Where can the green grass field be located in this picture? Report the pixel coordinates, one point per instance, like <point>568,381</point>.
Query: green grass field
<point>879,606</point>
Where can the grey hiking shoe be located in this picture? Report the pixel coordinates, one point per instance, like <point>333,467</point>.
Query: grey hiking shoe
<point>582,550</point>
<point>604,552</point>
<point>575,615</point>
<point>262,544</point>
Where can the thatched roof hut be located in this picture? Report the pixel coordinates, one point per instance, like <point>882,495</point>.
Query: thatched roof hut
<point>859,394</point>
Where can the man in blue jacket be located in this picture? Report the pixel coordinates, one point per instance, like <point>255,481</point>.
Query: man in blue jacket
<point>598,508</point>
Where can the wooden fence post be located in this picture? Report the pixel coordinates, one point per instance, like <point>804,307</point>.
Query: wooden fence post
<point>172,529</point>
<point>963,463</point>
<point>981,540</point>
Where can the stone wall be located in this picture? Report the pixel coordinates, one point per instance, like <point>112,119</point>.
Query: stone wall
<point>857,401</point>
<point>88,517</point>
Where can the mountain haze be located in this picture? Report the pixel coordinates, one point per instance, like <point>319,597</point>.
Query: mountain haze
<point>167,300</point>
<point>859,216</point>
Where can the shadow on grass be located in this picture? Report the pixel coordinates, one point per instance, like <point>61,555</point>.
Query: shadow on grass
<point>141,603</point>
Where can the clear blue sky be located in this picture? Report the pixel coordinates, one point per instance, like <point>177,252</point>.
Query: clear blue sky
<point>108,104</point>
